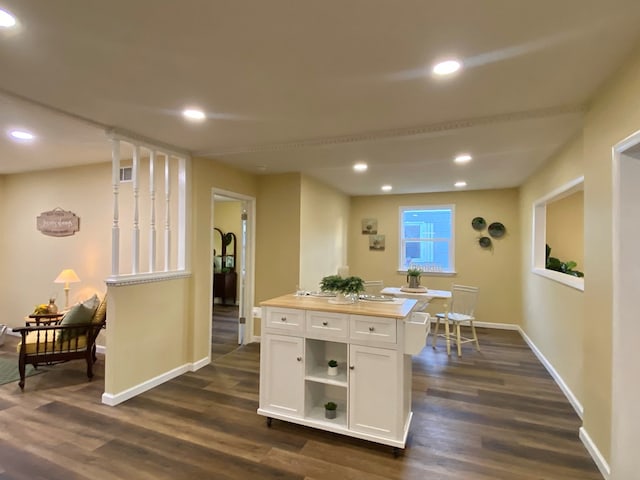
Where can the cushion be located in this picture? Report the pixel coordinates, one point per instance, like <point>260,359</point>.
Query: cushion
<point>37,342</point>
<point>101,312</point>
<point>79,314</point>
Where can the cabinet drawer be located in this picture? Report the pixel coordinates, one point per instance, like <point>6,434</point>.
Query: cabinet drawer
<point>285,319</point>
<point>372,329</point>
<point>334,326</point>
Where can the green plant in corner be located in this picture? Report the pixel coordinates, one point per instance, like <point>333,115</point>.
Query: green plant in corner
<point>552,263</point>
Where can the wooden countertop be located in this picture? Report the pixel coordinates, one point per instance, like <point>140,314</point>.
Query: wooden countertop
<point>377,309</point>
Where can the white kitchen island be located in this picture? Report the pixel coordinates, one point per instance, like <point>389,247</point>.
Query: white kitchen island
<point>372,343</point>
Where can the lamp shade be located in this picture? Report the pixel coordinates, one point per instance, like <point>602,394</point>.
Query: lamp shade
<point>67,276</point>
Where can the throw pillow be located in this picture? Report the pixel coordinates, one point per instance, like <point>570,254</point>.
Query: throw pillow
<point>79,314</point>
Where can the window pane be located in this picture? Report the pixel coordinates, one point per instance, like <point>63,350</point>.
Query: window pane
<point>426,238</point>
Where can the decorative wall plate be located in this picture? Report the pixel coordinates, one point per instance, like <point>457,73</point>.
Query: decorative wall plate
<point>485,242</point>
<point>478,223</point>
<point>497,230</point>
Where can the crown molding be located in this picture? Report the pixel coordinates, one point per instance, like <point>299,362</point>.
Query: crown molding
<point>406,132</point>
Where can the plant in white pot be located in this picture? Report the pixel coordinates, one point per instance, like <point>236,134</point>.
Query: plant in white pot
<point>332,368</point>
<point>330,410</point>
<point>413,277</point>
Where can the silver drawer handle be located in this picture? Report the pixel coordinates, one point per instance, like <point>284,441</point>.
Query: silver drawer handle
<point>299,359</point>
<point>283,319</point>
<point>371,329</point>
<point>325,323</point>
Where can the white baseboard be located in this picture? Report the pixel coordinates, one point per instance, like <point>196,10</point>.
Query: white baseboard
<point>200,363</point>
<point>116,398</point>
<point>577,406</point>
<point>255,339</point>
<point>101,349</point>
<point>602,464</point>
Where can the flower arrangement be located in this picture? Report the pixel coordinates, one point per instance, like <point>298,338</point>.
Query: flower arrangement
<point>346,285</point>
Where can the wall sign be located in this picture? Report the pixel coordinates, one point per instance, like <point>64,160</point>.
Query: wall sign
<point>58,223</point>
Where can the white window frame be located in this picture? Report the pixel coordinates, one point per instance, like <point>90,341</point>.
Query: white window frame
<point>538,244</point>
<point>452,243</point>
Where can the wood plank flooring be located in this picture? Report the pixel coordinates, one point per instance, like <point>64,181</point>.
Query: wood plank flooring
<point>494,414</point>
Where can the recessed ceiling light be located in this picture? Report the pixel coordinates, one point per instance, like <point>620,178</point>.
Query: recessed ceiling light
<point>6,19</point>
<point>22,135</point>
<point>447,67</point>
<point>193,114</point>
<point>460,184</point>
<point>387,188</point>
<point>463,158</point>
<point>360,167</point>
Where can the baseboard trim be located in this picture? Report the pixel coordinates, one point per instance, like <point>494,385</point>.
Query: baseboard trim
<point>101,349</point>
<point>116,398</point>
<point>573,400</point>
<point>255,339</point>
<point>597,457</point>
<point>200,363</point>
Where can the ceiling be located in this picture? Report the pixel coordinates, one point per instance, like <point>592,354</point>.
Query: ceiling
<point>312,87</point>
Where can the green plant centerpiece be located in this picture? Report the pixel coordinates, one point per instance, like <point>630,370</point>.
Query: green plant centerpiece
<point>344,287</point>
<point>330,409</point>
<point>413,277</point>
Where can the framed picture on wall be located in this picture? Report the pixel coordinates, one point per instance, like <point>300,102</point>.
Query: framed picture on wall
<point>376,242</point>
<point>369,226</point>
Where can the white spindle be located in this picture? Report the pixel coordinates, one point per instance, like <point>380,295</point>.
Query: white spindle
<point>167,216</point>
<point>135,240</point>
<point>152,226</point>
<point>182,210</point>
<point>115,229</point>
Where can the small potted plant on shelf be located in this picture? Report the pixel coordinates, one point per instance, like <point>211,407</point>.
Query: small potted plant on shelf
<point>330,410</point>
<point>332,369</point>
<point>413,277</point>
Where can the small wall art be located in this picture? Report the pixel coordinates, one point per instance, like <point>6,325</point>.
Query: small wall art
<point>376,242</point>
<point>369,226</point>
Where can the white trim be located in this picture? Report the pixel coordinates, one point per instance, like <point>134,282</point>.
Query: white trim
<point>569,280</point>
<point>256,339</point>
<point>201,363</point>
<point>577,406</point>
<point>114,399</point>
<point>122,280</point>
<point>101,349</point>
<point>597,457</point>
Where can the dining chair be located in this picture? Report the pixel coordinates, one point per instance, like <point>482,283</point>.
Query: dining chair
<point>459,311</point>
<point>373,287</point>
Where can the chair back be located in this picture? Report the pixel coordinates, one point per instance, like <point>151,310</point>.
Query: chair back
<point>463,299</point>
<point>373,287</point>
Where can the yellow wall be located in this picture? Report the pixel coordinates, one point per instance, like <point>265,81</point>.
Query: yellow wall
<point>553,312</point>
<point>565,229</point>
<point>147,334</point>
<point>33,260</point>
<point>496,272</point>
<point>324,217</point>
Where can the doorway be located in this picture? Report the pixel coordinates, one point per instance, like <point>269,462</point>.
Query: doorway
<point>625,433</point>
<point>232,270</point>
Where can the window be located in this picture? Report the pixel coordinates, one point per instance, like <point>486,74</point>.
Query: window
<point>426,238</point>
<point>126,174</point>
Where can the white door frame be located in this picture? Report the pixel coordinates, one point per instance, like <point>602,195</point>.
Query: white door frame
<point>247,287</point>
<point>625,390</point>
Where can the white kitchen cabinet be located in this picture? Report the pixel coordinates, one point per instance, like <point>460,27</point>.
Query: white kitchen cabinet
<point>373,385</point>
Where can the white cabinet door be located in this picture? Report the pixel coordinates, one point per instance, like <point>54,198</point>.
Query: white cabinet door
<point>282,375</point>
<point>374,391</point>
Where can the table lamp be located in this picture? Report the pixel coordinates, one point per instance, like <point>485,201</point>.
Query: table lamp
<point>67,276</point>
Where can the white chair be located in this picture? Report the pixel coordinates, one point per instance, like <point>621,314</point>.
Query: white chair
<point>373,287</point>
<point>460,311</point>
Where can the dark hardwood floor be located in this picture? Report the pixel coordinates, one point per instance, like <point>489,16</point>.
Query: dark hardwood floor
<point>494,414</point>
<point>224,337</point>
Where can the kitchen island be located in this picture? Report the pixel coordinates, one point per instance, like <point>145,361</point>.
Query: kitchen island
<point>372,343</point>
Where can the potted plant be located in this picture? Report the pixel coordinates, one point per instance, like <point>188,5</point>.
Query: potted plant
<point>350,286</point>
<point>332,369</point>
<point>413,277</point>
<point>330,410</point>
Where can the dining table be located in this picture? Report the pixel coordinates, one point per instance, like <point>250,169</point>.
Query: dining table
<point>423,296</point>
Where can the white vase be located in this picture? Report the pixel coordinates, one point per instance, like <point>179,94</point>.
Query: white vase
<point>332,371</point>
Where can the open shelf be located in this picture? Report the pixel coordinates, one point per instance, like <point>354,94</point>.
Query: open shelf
<point>317,394</point>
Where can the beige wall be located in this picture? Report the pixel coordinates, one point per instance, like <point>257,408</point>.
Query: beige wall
<point>33,260</point>
<point>496,271</point>
<point>565,229</point>
<point>147,334</point>
<point>553,312</point>
<point>324,221</point>
<point>278,235</point>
